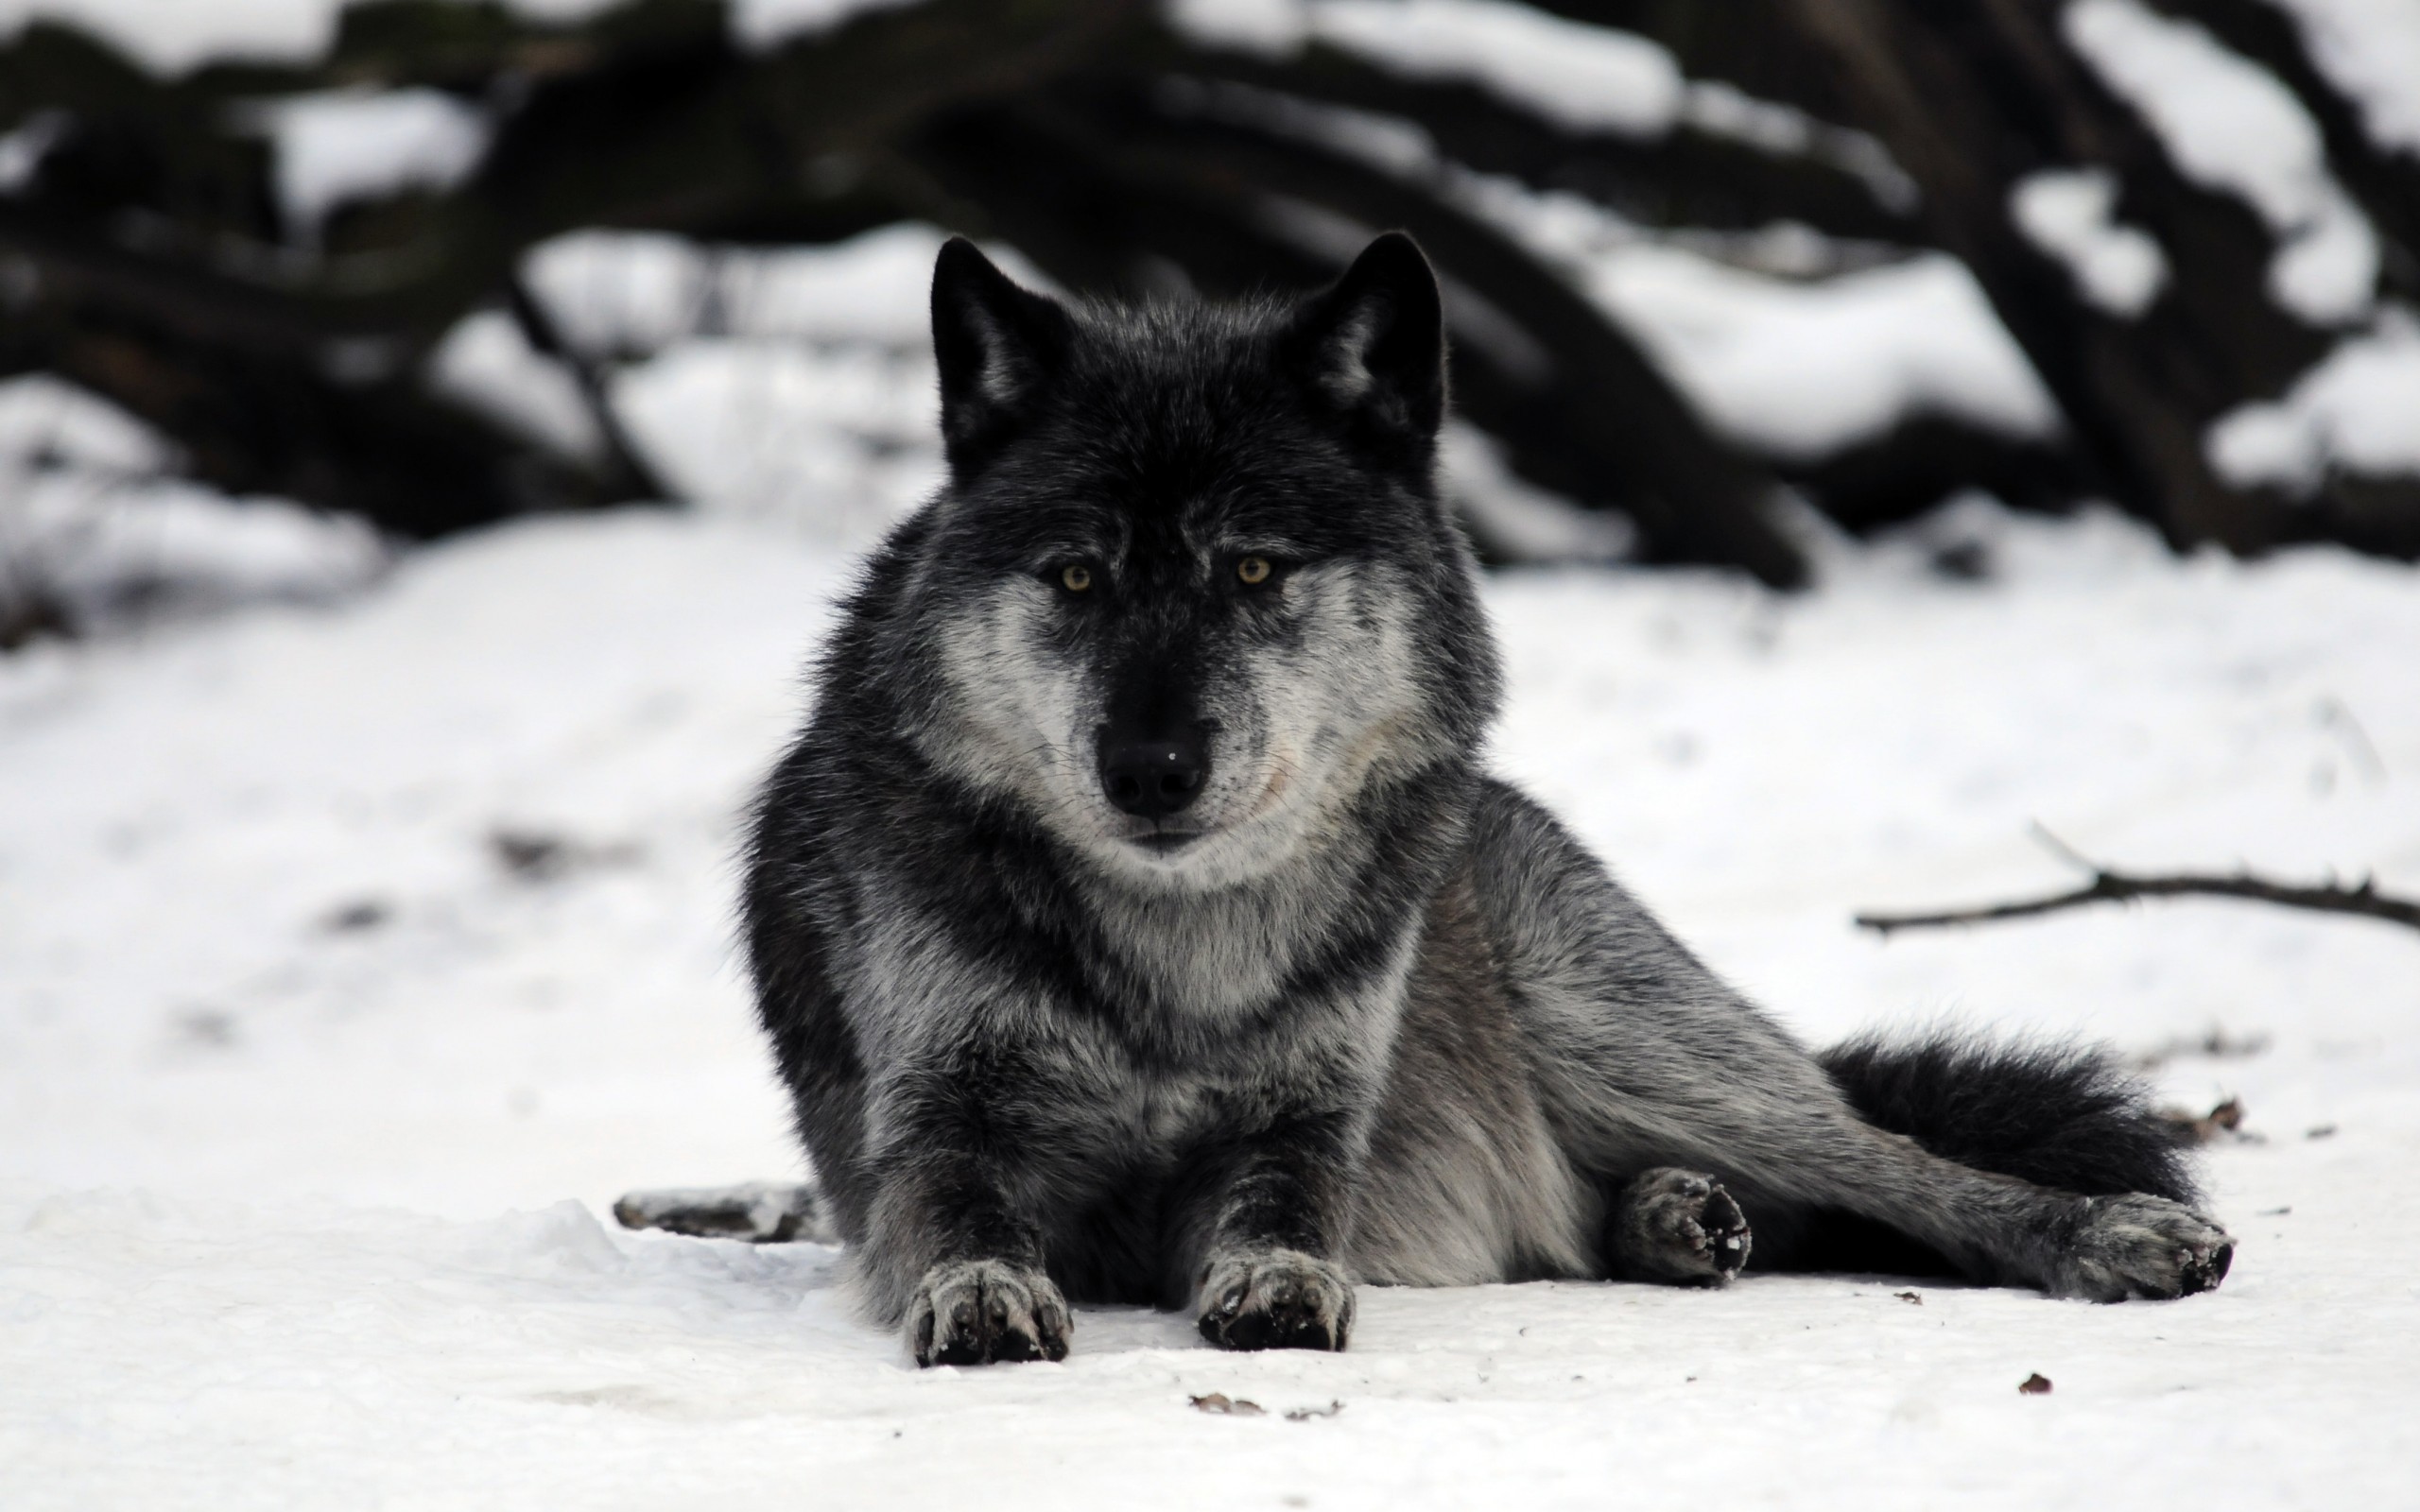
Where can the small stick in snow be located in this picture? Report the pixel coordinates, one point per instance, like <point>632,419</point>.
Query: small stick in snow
<point>2037,1384</point>
<point>2108,886</point>
<point>2189,1127</point>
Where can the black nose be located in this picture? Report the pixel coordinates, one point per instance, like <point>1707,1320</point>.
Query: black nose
<point>1153,779</point>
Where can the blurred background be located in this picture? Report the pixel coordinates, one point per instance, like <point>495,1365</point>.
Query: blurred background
<point>433,433</point>
<point>284,283</point>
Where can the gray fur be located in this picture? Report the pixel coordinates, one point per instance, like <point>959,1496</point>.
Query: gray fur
<point>1354,1012</point>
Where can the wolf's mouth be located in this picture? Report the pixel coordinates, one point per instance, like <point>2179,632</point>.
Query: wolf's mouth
<point>1164,842</point>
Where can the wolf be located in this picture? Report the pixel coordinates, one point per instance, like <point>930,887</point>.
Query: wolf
<point>1135,918</point>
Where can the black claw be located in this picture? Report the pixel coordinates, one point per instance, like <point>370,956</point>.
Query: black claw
<point>1012,1346</point>
<point>2205,1275</point>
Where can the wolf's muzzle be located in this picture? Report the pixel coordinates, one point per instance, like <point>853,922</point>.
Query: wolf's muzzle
<point>1154,778</point>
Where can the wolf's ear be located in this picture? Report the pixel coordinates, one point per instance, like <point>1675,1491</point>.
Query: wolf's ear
<point>999,346</point>
<point>1372,346</point>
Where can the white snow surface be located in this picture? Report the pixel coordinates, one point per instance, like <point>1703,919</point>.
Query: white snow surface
<point>171,37</point>
<point>1796,368</point>
<point>1576,74</point>
<point>767,23</point>
<point>634,293</point>
<point>1793,367</point>
<point>2371,50</point>
<point>2228,124</point>
<point>839,441</point>
<point>22,149</point>
<point>487,365</point>
<point>794,384</point>
<point>363,143</point>
<point>93,524</point>
<point>1804,370</point>
<point>2357,411</point>
<point>2068,213</point>
<point>296,1213</point>
<point>1581,76</point>
<point>1513,518</point>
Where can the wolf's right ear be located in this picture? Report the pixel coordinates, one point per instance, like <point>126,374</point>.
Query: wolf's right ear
<point>1372,347</point>
<point>999,346</point>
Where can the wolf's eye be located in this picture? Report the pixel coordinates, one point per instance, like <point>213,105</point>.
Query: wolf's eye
<point>1253,570</point>
<point>1075,578</point>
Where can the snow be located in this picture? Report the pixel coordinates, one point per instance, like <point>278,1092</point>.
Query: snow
<point>486,364</point>
<point>1577,76</point>
<point>793,384</point>
<point>1793,367</point>
<point>634,293</point>
<point>761,25</point>
<point>22,149</point>
<point>2371,50</point>
<point>1723,110</point>
<point>1802,370</point>
<point>2068,213</point>
<point>299,1209</point>
<point>2357,411</point>
<point>171,37</point>
<point>1583,78</point>
<point>48,421</point>
<point>1796,368</point>
<point>92,529</point>
<point>2229,124</point>
<point>840,441</point>
<point>875,288</point>
<point>613,292</point>
<point>362,144</point>
<point>1513,518</point>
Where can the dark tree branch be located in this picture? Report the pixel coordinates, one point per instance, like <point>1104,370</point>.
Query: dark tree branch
<point>627,471</point>
<point>2108,886</point>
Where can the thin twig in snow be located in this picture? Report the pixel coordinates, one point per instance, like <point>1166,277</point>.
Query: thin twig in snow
<point>2108,886</point>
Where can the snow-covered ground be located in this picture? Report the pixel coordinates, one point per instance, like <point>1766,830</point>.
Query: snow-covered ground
<point>313,1094</point>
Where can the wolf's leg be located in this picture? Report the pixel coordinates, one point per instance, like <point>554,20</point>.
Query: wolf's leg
<point>1675,1226</point>
<point>964,1153</point>
<point>1267,1226</point>
<point>1645,1058</point>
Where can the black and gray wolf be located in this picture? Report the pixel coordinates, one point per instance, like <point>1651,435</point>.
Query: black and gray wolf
<point>1135,918</point>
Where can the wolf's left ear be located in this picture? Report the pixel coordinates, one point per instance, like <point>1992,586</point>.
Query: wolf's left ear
<point>999,346</point>
<point>1372,346</point>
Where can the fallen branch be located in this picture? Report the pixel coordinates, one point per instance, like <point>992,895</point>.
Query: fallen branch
<point>2108,886</point>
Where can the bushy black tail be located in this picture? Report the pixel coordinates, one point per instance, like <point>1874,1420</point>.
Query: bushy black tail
<point>2059,1116</point>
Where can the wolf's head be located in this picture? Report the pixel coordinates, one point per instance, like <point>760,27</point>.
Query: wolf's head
<point>1190,594</point>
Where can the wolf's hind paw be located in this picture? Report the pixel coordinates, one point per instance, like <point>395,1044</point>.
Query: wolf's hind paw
<point>2139,1247</point>
<point>1277,1300</point>
<point>1677,1225</point>
<point>977,1312</point>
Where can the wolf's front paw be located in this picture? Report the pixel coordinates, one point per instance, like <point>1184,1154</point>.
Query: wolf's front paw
<point>1276,1299</point>
<point>975,1312</point>
<point>2134,1245</point>
<point>1680,1226</point>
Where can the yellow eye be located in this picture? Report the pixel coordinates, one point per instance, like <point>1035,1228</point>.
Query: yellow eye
<point>1252,569</point>
<point>1075,578</point>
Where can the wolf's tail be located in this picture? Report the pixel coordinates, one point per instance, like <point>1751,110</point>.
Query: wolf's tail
<point>2058,1115</point>
<point>2067,1116</point>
